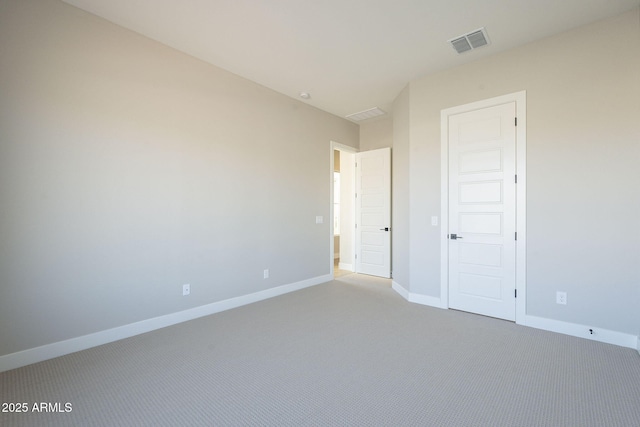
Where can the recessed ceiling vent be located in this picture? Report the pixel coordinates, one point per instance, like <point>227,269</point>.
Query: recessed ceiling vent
<point>473,40</point>
<point>366,114</point>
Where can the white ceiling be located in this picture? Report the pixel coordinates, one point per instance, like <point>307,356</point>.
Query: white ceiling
<point>350,55</point>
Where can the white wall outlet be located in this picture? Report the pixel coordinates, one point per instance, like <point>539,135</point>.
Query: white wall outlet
<point>186,290</point>
<point>319,219</point>
<point>265,273</point>
<point>434,220</point>
<point>561,298</point>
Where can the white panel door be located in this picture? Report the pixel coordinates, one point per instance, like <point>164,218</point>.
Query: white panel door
<point>482,211</point>
<point>373,212</point>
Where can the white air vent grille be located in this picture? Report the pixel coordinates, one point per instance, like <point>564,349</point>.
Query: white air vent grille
<point>472,40</point>
<point>366,114</point>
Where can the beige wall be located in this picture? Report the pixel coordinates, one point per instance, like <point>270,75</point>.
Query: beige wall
<point>376,134</point>
<point>583,146</point>
<point>400,230</point>
<point>128,168</point>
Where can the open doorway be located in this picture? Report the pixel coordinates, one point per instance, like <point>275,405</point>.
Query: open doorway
<point>342,209</point>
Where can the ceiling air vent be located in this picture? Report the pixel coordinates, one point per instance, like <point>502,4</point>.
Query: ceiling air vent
<point>472,40</point>
<point>366,114</point>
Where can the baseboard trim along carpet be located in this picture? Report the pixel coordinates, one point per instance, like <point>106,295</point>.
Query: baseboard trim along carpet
<point>400,290</point>
<point>417,298</point>
<point>345,266</point>
<point>49,351</point>
<point>581,331</point>
<point>566,328</point>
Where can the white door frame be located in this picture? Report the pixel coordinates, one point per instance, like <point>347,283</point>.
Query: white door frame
<point>520,98</point>
<point>341,147</point>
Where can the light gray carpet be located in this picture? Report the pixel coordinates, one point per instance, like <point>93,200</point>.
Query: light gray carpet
<point>347,353</point>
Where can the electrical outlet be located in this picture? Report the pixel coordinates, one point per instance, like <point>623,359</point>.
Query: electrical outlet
<point>186,290</point>
<point>265,273</point>
<point>561,298</point>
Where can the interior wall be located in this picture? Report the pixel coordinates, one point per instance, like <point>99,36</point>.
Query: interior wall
<point>400,162</point>
<point>128,169</point>
<point>583,198</point>
<point>376,133</point>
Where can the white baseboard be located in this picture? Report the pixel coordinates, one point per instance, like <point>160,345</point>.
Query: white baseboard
<point>573,329</point>
<point>49,351</point>
<point>345,266</point>
<point>417,298</point>
<point>399,289</point>
<point>426,300</point>
<point>581,331</point>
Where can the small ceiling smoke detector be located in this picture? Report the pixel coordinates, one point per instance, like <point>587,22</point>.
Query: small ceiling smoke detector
<point>472,40</point>
<point>366,114</point>
<point>305,95</point>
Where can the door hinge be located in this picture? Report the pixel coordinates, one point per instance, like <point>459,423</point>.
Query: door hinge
<point>516,179</point>
<point>356,256</point>
<point>516,233</point>
<point>516,121</point>
<point>515,293</point>
<point>356,225</point>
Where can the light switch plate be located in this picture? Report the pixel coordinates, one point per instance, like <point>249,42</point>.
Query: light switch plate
<point>319,219</point>
<point>434,220</point>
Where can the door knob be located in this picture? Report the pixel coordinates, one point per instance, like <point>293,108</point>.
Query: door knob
<point>384,229</point>
<point>455,237</point>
